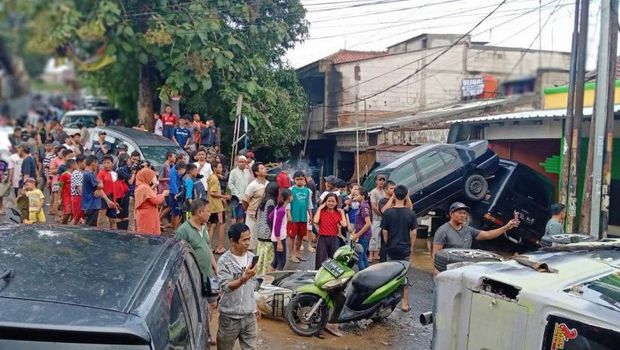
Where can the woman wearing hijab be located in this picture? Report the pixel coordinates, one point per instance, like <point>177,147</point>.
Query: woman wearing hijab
<point>147,202</point>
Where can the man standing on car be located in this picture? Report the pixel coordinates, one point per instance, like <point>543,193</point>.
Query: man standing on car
<point>457,234</point>
<point>554,225</point>
<point>399,225</point>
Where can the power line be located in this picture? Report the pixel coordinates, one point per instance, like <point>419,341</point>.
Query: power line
<point>436,57</point>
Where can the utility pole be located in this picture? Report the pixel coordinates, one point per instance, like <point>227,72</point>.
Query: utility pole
<point>605,86</point>
<point>582,44</point>
<point>568,122</point>
<point>358,76</point>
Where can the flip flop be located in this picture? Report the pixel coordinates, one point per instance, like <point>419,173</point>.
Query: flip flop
<point>333,329</point>
<point>311,250</point>
<point>220,252</point>
<point>302,258</point>
<point>295,260</point>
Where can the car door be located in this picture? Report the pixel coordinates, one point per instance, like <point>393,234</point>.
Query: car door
<point>436,175</point>
<point>198,302</point>
<point>407,175</point>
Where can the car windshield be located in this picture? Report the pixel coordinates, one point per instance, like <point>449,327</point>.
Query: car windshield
<point>604,291</point>
<point>157,154</point>
<point>72,121</point>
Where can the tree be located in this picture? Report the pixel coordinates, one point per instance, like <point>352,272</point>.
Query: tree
<point>213,49</point>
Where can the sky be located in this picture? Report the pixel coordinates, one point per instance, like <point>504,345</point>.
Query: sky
<point>374,25</point>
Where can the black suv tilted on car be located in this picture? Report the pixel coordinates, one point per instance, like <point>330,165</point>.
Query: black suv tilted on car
<point>438,173</point>
<point>77,288</point>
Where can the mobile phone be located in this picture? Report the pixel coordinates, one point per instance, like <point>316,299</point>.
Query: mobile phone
<point>254,261</point>
<point>516,216</point>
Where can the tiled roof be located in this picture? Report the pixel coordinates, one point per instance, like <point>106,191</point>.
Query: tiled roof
<point>591,75</point>
<point>344,56</point>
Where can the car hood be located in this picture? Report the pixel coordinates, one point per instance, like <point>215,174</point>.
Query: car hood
<point>39,318</point>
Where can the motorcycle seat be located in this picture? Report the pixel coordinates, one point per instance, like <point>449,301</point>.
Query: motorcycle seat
<point>375,276</point>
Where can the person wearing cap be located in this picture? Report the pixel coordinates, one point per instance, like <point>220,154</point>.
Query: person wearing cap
<point>330,187</point>
<point>101,147</point>
<point>238,180</point>
<point>457,234</point>
<point>554,225</point>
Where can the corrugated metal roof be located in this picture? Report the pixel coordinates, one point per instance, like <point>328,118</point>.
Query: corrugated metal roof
<point>531,115</point>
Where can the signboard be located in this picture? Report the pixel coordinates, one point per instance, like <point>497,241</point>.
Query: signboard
<point>472,87</point>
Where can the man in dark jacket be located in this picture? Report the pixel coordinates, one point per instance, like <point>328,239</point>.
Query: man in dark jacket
<point>208,135</point>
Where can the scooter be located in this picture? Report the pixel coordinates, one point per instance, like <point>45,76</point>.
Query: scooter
<point>340,295</point>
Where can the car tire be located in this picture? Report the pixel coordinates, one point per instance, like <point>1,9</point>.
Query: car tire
<point>565,238</point>
<point>476,187</point>
<point>448,256</point>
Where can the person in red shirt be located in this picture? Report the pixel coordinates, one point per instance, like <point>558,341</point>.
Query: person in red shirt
<point>169,120</point>
<point>330,219</point>
<point>283,180</point>
<point>65,190</point>
<point>105,176</point>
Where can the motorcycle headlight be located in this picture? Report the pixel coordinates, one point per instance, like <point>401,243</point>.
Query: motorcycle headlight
<point>339,282</point>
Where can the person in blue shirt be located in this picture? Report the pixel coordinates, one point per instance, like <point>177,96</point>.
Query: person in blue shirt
<point>188,181</point>
<point>91,201</point>
<point>182,135</point>
<point>101,147</point>
<point>176,174</point>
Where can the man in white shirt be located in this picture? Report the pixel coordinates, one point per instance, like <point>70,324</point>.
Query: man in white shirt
<point>204,168</point>
<point>238,180</point>
<point>15,172</point>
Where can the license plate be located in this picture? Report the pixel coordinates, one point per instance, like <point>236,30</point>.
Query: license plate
<point>333,267</point>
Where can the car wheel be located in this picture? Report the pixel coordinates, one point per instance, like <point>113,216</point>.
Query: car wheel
<point>565,238</point>
<point>476,187</point>
<point>448,256</point>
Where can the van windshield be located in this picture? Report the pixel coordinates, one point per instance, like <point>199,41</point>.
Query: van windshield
<point>72,121</point>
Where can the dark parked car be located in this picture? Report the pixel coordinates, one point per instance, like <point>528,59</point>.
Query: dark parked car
<point>151,147</point>
<point>515,187</point>
<point>438,173</point>
<point>78,288</point>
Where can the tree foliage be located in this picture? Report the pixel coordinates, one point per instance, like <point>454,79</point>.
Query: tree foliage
<point>202,50</point>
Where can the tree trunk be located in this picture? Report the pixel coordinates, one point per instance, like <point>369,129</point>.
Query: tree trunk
<point>145,96</point>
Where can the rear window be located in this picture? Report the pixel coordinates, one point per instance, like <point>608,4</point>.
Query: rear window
<point>72,121</point>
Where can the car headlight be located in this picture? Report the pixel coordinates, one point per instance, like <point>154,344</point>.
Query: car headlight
<point>339,282</point>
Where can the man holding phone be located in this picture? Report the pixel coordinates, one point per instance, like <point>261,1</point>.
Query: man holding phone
<point>236,272</point>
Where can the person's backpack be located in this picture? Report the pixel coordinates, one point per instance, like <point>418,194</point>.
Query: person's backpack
<point>199,190</point>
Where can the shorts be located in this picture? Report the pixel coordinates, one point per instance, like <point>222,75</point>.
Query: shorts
<point>76,203</point>
<point>91,217</point>
<point>175,210</point>
<point>238,212</point>
<point>67,206</point>
<point>297,229</point>
<point>217,218</point>
<point>109,212</point>
<point>37,216</point>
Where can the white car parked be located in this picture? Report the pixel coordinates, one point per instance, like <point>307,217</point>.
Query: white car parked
<point>72,119</point>
<point>562,298</point>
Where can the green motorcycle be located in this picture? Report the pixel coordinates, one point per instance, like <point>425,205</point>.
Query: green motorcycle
<point>340,295</point>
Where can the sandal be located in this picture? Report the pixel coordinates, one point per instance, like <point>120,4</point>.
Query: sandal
<point>220,251</point>
<point>302,258</point>
<point>294,259</point>
<point>311,250</point>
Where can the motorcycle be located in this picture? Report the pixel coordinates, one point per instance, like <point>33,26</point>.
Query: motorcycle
<point>340,295</point>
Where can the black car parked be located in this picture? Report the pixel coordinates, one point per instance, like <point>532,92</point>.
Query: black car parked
<point>78,288</point>
<point>438,173</point>
<point>514,188</point>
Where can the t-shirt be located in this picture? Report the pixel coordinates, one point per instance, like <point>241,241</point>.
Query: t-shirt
<point>189,187</point>
<point>301,201</point>
<point>164,174</point>
<point>329,223</point>
<point>35,199</point>
<point>253,195</point>
<point>238,181</point>
<point>553,227</point>
<point>65,181</point>
<point>360,219</point>
<point>398,222</point>
<point>263,227</point>
<point>451,238</point>
<point>198,239</point>
<point>106,179</point>
<point>174,181</point>
<point>54,165</point>
<point>76,181</point>
<point>206,172</point>
<point>283,180</point>
<point>181,135</point>
<point>15,163</point>
<point>159,127</point>
<point>216,205</point>
<point>29,167</point>
<point>169,119</point>
<point>89,186</point>
<point>46,163</point>
<point>375,196</point>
